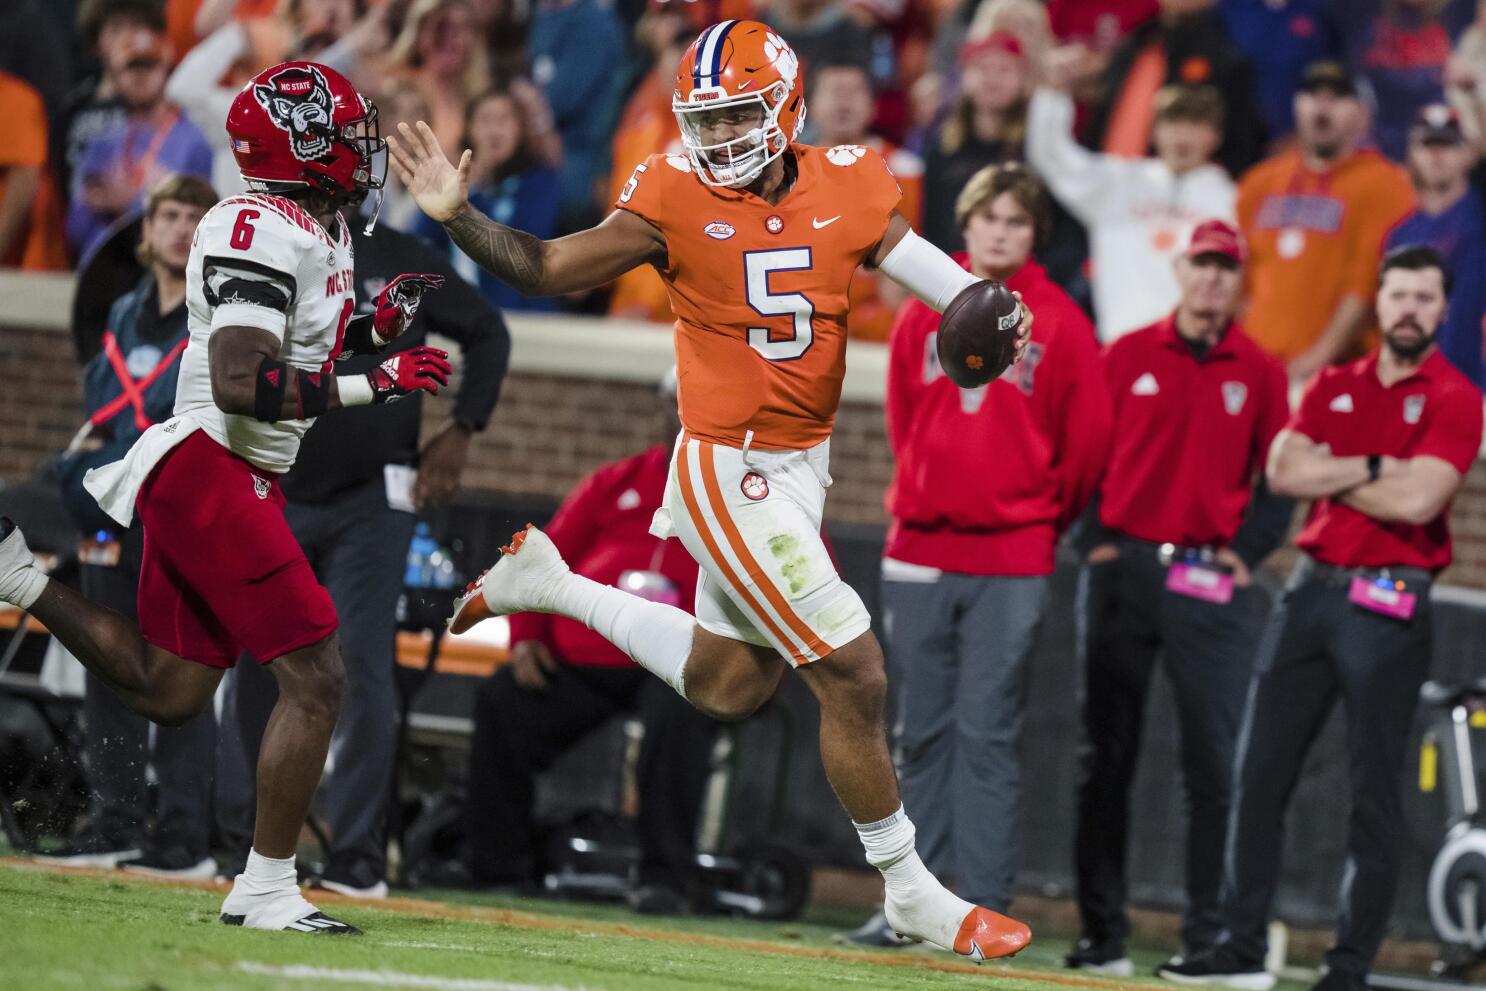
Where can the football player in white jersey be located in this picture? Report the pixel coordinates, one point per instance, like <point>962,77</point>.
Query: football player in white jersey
<point>269,296</point>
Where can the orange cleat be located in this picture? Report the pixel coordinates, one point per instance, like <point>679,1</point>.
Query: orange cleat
<point>470,607</point>
<point>987,935</point>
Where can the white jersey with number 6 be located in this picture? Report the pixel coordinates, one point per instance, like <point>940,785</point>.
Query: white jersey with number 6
<point>256,261</point>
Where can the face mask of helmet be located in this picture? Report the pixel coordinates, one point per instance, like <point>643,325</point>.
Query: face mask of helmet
<point>736,161</point>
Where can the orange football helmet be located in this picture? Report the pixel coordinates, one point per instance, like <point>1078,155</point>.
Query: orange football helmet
<point>745,66</point>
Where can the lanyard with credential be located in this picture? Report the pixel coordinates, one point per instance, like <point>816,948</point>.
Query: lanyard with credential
<point>137,169</point>
<point>133,394</point>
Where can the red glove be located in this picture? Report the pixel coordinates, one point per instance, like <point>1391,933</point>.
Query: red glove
<point>407,372</point>
<point>397,303</point>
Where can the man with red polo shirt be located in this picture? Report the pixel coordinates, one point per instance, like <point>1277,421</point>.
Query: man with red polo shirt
<point>1180,526</point>
<point>987,479</point>
<point>1382,445</point>
<point>565,680</point>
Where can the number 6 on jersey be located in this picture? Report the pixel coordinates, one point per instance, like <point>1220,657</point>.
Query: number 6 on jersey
<point>757,265</point>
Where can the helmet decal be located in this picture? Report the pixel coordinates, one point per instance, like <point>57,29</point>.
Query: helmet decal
<point>298,101</point>
<point>709,55</point>
<point>781,57</point>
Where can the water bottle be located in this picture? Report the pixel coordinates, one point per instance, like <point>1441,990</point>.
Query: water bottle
<point>419,570</point>
<point>443,574</point>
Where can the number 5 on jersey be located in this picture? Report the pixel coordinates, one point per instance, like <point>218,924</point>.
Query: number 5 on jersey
<point>756,266</point>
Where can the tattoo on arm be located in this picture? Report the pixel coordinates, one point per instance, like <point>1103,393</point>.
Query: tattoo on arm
<point>515,257</point>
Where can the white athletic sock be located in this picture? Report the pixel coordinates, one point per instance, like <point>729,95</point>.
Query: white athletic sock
<point>915,900</point>
<point>655,636</point>
<point>267,874</point>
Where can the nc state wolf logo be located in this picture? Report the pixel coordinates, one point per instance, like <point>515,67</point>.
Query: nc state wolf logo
<point>261,486</point>
<point>298,101</point>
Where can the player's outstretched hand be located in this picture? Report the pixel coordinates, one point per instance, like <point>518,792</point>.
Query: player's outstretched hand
<point>439,189</point>
<point>407,372</point>
<point>1023,330</point>
<point>397,302</point>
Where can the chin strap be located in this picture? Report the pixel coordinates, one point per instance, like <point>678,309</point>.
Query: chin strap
<point>375,212</point>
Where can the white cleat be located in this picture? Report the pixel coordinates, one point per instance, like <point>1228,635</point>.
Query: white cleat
<point>21,578</point>
<point>525,579</point>
<point>283,910</point>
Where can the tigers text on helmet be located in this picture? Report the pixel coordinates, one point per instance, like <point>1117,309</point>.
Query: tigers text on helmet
<point>737,73</point>
<point>302,124</point>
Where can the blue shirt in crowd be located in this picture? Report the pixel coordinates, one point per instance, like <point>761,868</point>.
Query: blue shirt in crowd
<point>1400,53</point>
<point>527,201</point>
<point>145,154</point>
<point>1460,235</point>
<point>1280,40</point>
<point>577,50</point>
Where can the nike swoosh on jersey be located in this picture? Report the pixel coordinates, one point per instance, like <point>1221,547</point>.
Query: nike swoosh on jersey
<point>817,223</point>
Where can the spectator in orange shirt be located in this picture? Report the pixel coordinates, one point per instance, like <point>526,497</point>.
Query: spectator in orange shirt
<point>1315,219</point>
<point>30,222</point>
<point>648,127</point>
<point>841,108</point>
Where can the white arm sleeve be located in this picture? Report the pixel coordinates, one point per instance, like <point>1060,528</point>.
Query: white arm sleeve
<point>925,271</point>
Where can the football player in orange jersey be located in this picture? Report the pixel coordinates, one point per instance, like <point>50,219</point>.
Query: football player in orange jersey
<point>756,237</point>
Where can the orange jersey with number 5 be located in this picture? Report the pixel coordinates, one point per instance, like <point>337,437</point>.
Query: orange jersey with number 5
<point>759,290</point>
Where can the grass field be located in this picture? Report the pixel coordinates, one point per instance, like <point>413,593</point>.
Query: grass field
<point>103,931</point>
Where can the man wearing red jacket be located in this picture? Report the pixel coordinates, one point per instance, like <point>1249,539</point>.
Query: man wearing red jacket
<point>565,680</point>
<point>987,479</point>
<point>1180,525</point>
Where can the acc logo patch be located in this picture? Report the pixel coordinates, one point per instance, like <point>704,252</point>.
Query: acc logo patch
<point>719,230</point>
<point>754,486</point>
<point>679,162</point>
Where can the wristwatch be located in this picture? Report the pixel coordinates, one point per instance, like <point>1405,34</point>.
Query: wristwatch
<point>1374,467</point>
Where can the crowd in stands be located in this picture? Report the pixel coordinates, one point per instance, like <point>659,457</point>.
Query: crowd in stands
<point>1143,116</point>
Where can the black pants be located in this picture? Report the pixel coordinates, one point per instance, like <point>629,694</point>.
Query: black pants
<point>116,746</point>
<point>519,733</point>
<point>1128,619</point>
<point>1319,648</point>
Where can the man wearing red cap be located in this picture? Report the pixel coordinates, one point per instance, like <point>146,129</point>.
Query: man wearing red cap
<point>1179,527</point>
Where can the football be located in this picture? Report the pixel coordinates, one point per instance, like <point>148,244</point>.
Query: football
<point>977,334</point>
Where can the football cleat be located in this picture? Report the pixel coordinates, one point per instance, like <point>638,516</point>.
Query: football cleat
<point>523,580</point>
<point>983,935</point>
<point>281,909</point>
<point>987,935</point>
<point>316,922</point>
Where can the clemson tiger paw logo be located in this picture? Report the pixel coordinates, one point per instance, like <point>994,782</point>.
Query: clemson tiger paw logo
<point>755,486</point>
<point>781,57</point>
<point>974,361</point>
<point>844,155</point>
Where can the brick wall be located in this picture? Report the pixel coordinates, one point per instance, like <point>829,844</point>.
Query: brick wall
<point>547,433</point>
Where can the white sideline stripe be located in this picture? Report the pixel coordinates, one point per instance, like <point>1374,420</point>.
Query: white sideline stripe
<point>390,978</point>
